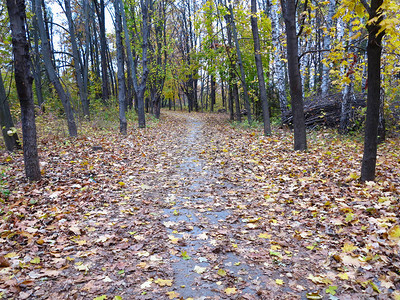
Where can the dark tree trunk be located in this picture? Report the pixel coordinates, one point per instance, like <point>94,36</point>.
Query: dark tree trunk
<point>105,86</point>
<point>120,63</point>
<point>260,70</point>
<point>296,92</point>
<point>64,96</point>
<point>23,81</point>
<point>10,136</point>
<point>237,102</point>
<point>374,50</point>
<point>212,96</point>
<point>132,77</point>
<point>142,87</point>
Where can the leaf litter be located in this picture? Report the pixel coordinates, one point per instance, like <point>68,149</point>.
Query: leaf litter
<point>193,208</point>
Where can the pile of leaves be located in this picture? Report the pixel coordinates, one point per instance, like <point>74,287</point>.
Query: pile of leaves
<point>117,217</point>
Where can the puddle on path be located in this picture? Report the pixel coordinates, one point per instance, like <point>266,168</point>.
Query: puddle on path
<point>192,221</point>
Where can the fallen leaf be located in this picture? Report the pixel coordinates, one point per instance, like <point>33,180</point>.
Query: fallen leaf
<point>199,270</point>
<point>221,272</point>
<point>230,291</point>
<point>331,290</point>
<point>163,282</point>
<point>173,295</point>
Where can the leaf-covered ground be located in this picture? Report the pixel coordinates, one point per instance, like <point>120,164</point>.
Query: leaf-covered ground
<point>193,208</point>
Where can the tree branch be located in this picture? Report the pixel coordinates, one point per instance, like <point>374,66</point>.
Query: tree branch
<point>366,5</point>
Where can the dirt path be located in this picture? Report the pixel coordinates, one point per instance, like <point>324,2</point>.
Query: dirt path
<point>204,229</point>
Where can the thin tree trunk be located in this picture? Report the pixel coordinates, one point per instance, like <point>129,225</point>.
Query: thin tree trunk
<point>212,96</point>
<point>23,81</point>
<point>142,87</point>
<point>296,91</point>
<point>120,63</point>
<point>77,60</point>
<point>280,69</point>
<point>374,50</point>
<point>260,70</point>
<point>36,66</point>
<point>105,86</point>
<point>10,135</point>
<point>327,45</point>
<point>64,96</point>
<point>130,61</point>
<point>240,63</point>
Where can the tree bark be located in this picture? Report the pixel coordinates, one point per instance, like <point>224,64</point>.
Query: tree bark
<point>280,70</point>
<point>36,66</point>
<point>374,50</point>
<point>130,61</point>
<point>296,90</point>
<point>105,86</point>
<point>23,81</point>
<point>326,45</point>
<point>240,63</point>
<point>64,96</point>
<point>142,87</point>
<point>260,70</point>
<point>120,63</point>
<point>10,136</point>
<point>77,60</point>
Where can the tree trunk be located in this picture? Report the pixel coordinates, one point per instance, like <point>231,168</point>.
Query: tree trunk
<point>77,60</point>
<point>347,103</point>
<point>23,81</point>
<point>296,91</point>
<point>142,87</point>
<point>120,63</point>
<point>130,62</point>
<point>280,70</point>
<point>240,63</point>
<point>374,50</point>
<point>36,66</point>
<point>64,96</point>
<point>105,86</point>
<point>327,45</point>
<point>10,135</point>
<point>260,70</point>
<point>212,95</point>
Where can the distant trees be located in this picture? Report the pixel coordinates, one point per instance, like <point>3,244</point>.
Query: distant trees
<point>209,56</point>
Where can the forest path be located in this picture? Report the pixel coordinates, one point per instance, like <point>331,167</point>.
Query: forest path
<point>204,229</point>
<point>194,208</point>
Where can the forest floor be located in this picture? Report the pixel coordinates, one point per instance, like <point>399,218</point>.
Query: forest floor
<point>195,208</point>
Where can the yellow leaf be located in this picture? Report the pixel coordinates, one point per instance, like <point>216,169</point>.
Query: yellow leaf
<point>121,183</point>
<point>394,233</point>
<point>173,239</point>
<point>343,276</point>
<point>36,260</point>
<point>221,272</point>
<point>279,281</point>
<point>163,282</point>
<point>172,295</point>
<point>264,236</point>
<point>224,150</point>
<point>230,291</point>
<point>10,255</point>
<point>349,247</point>
<point>319,279</point>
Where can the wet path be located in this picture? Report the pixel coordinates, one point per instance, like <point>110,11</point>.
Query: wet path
<point>205,263</point>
